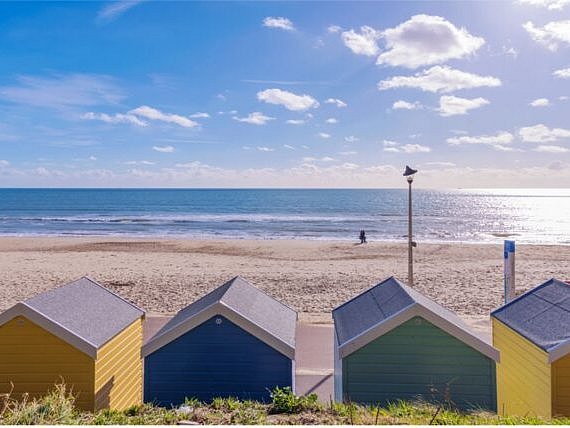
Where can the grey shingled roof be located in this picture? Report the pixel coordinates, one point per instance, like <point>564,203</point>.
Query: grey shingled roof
<point>542,315</point>
<point>370,308</point>
<point>379,306</point>
<point>86,309</point>
<point>249,302</point>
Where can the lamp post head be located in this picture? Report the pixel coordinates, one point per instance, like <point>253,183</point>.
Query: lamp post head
<point>409,173</point>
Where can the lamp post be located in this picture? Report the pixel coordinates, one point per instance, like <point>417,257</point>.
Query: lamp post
<point>409,174</point>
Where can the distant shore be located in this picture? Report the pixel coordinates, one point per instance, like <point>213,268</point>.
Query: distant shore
<point>313,277</point>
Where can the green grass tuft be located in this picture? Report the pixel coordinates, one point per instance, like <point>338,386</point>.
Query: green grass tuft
<point>57,407</point>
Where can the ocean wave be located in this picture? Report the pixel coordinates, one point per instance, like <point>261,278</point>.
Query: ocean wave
<point>193,218</point>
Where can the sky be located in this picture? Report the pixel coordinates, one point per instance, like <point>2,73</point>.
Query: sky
<point>285,94</point>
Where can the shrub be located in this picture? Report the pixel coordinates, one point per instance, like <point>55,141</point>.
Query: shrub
<point>284,401</point>
<point>55,408</point>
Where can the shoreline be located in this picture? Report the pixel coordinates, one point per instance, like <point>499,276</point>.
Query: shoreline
<point>162,275</point>
<point>352,240</point>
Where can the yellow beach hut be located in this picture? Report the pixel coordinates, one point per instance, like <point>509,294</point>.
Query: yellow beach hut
<point>81,334</point>
<point>532,332</point>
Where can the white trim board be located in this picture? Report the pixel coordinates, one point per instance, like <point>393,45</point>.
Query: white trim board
<point>218,308</point>
<point>58,330</point>
<point>558,351</point>
<point>408,313</point>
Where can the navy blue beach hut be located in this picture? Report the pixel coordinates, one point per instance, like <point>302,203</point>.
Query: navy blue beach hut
<point>392,343</point>
<point>234,342</point>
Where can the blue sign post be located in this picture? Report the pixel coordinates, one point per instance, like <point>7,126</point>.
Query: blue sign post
<point>509,270</point>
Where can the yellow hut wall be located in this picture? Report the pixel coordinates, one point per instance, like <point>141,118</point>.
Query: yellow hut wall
<point>524,382</point>
<point>33,360</point>
<point>561,386</point>
<point>118,370</point>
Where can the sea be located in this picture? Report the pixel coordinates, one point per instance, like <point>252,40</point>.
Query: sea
<point>537,216</point>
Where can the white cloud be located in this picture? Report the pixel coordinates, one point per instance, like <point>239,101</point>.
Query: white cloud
<point>163,149</point>
<point>426,40</point>
<point>255,118</point>
<point>278,22</point>
<point>336,102</point>
<point>334,29</point>
<point>323,159</point>
<point>440,79</point>
<point>563,98</point>
<point>63,91</point>
<point>287,99</point>
<point>551,35</point>
<point>200,115</point>
<point>440,164</point>
<point>265,149</point>
<point>395,147</point>
<point>500,148</point>
<point>295,122</point>
<point>304,146</point>
<point>348,153</point>
<point>193,164</point>
<point>155,114</point>
<point>405,105</point>
<point>554,173</point>
<point>115,9</point>
<point>542,134</point>
<point>4,163</point>
<point>324,135</point>
<point>142,162</point>
<point>288,146</point>
<point>450,105</point>
<point>550,4</point>
<point>500,139</point>
<point>331,120</point>
<point>363,43</point>
<point>351,139</point>
<point>551,149</point>
<point>92,158</point>
<point>116,118</point>
<point>563,73</point>
<point>414,148</point>
<point>540,102</point>
<point>510,51</point>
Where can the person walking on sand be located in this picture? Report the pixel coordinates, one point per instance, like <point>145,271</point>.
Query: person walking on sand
<point>362,236</point>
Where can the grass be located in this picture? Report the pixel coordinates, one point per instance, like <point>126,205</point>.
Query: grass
<point>57,407</point>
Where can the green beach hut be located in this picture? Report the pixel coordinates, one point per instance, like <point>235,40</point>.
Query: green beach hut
<point>392,343</point>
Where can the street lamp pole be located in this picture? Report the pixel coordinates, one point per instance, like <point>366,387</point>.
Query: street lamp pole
<point>410,242</point>
<point>409,174</point>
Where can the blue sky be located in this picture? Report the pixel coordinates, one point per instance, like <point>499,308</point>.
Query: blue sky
<point>277,94</point>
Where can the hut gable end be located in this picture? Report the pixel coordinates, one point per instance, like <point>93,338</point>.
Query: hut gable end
<point>389,304</point>
<point>542,316</point>
<point>243,304</point>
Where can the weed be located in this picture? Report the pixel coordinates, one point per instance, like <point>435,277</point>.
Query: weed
<point>284,401</point>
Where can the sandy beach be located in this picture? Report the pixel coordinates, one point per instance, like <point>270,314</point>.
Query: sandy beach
<point>312,277</point>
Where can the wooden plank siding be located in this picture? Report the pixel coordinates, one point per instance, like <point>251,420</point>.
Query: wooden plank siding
<point>33,360</point>
<point>561,386</point>
<point>419,360</point>
<point>215,359</point>
<point>118,370</point>
<point>523,375</point>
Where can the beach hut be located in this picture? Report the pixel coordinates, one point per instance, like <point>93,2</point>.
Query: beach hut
<point>532,332</point>
<point>235,341</point>
<point>392,343</point>
<point>81,334</point>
